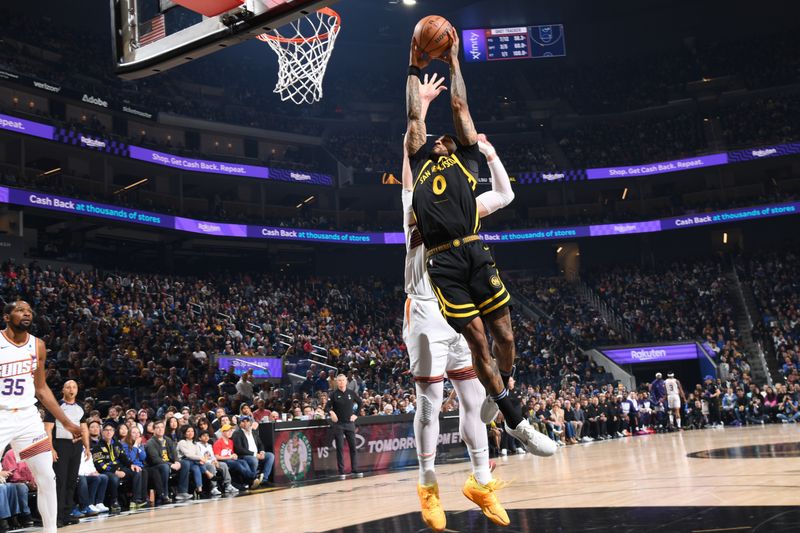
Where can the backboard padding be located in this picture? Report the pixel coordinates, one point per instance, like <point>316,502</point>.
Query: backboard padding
<point>188,35</point>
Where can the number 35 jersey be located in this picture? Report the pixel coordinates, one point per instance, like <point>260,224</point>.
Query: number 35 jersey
<point>444,194</point>
<point>17,365</point>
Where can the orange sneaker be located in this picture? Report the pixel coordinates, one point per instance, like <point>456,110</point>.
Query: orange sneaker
<point>432,512</point>
<point>484,497</point>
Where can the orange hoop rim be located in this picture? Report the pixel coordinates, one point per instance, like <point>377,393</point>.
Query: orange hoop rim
<point>302,40</point>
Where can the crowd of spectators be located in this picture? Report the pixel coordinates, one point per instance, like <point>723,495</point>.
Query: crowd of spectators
<point>371,151</point>
<point>142,345</point>
<point>679,301</point>
<point>755,122</point>
<point>643,140</point>
<point>773,280</point>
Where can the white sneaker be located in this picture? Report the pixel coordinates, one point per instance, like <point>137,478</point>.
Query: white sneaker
<point>520,451</point>
<point>182,497</point>
<point>534,442</point>
<point>101,508</point>
<point>503,452</point>
<point>94,508</point>
<point>215,492</point>
<point>586,439</point>
<point>489,410</point>
<point>230,489</point>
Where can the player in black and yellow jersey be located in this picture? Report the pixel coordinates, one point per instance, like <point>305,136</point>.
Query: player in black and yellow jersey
<point>461,268</point>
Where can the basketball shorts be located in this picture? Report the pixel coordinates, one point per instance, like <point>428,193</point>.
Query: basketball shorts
<point>434,349</point>
<point>466,283</point>
<point>24,430</point>
<point>673,402</point>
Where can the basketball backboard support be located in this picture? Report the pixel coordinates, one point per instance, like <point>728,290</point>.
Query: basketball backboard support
<point>151,36</point>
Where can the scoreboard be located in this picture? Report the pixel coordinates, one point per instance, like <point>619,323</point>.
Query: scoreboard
<point>525,42</point>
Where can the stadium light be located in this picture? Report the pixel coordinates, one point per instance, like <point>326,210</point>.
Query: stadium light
<point>559,249</point>
<point>409,2</point>
<point>725,237</point>
<point>625,193</point>
<point>132,186</point>
<point>51,171</point>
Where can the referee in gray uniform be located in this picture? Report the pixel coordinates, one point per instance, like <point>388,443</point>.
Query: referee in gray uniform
<point>66,452</point>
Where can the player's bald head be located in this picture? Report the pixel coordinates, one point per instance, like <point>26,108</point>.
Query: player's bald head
<point>70,389</point>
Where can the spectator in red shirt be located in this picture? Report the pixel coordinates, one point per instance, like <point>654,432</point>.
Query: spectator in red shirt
<point>262,412</point>
<point>223,452</point>
<point>20,473</point>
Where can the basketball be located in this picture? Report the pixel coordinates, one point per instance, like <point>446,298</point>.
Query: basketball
<point>432,36</point>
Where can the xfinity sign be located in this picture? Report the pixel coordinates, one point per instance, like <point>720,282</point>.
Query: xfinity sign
<point>651,354</point>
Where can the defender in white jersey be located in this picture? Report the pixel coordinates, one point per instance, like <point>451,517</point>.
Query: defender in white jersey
<point>22,382</point>
<point>436,350</point>
<point>674,396</point>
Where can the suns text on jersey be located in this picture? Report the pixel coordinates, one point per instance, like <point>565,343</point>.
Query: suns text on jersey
<point>16,368</point>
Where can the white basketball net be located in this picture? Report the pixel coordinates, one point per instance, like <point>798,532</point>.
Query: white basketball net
<point>303,56</point>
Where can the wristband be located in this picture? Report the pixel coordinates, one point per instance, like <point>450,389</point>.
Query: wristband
<point>414,70</point>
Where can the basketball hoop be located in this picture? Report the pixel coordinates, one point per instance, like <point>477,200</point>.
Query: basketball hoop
<point>303,57</point>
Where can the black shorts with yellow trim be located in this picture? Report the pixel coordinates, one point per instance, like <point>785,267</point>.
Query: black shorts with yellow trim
<point>466,283</point>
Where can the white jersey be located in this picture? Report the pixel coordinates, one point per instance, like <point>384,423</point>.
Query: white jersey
<point>672,386</point>
<point>17,365</point>
<point>434,348</point>
<point>417,284</point>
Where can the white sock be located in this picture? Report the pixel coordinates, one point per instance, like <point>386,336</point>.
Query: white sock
<point>426,428</point>
<point>41,466</point>
<point>473,432</point>
<point>480,465</point>
<point>427,473</point>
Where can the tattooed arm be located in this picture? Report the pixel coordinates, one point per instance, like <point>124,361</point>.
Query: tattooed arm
<point>465,129</point>
<point>419,95</point>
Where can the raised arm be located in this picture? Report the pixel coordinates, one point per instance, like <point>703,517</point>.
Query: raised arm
<point>415,132</point>
<point>501,194</point>
<point>465,129</point>
<point>420,92</point>
<point>408,180</point>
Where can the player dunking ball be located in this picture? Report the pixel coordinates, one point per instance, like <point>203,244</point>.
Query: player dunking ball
<point>435,349</point>
<point>460,266</point>
<point>22,381</point>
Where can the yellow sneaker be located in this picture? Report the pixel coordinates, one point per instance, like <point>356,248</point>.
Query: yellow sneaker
<point>484,497</point>
<point>432,512</point>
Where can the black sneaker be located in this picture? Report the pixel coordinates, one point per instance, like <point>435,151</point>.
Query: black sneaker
<point>4,525</point>
<point>25,520</point>
<point>358,474</point>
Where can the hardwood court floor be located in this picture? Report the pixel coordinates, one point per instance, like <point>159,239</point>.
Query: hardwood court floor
<point>641,472</point>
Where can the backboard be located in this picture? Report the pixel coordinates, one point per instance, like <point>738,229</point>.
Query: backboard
<point>151,36</point>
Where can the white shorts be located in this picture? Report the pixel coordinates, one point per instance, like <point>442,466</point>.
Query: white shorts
<point>434,348</point>
<point>24,429</point>
<point>673,401</point>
